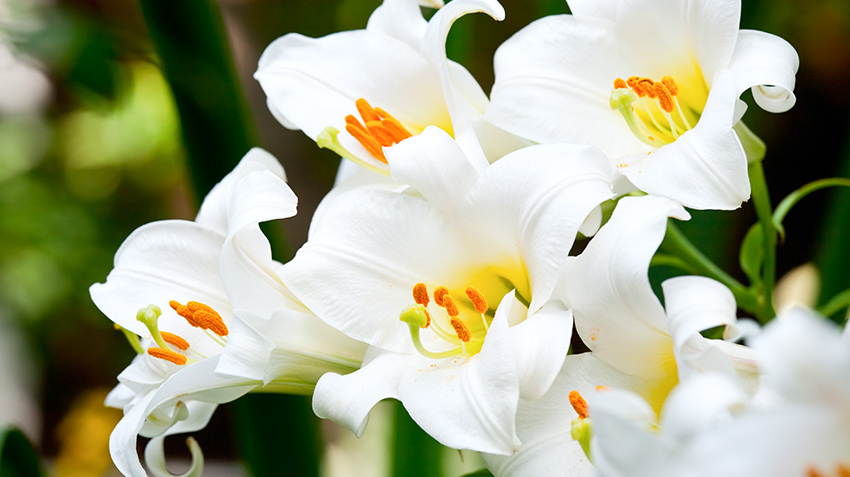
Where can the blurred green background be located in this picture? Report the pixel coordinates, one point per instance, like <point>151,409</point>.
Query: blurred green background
<point>92,146</point>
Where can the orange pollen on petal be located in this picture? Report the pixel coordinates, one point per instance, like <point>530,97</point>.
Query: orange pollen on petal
<point>167,355</point>
<point>602,388</point>
<point>185,312</point>
<point>579,404</point>
<point>175,340</point>
<point>842,470</point>
<point>420,294</point>
<point>461,329</point>
<point>665,99</point>
<point>439,294</point>
<point>477,299</point>
<point>380,130</point>
<point>619,83</point>
<point>451,307</point>
<point>671,85</point>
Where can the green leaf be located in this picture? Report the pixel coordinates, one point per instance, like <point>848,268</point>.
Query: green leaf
<point>793,198</point>
<point>17,455</point>
<point>415,453</point>
<point>752,254</point>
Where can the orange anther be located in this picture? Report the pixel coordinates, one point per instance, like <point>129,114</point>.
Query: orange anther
<point>579,404</point>
<point>477,299</point>
<point>632,81</point>
<point>665,99</point>
<point>461,329</point>
<point>380,133</point>
<point>439,294</point>
<point>427,318</point>
<point>451,307</point>
<point>842,470</point>
<point>167,355</point>
<point>185,312</point>
<point>175,340</point>
<point>398,132</point>
<point>671,85</point>
<point>366,111</point>
<point>812,471</point>
<point>420,294</point>
<point>647,86</point>
<point>211,321</point>
<point>619,83</point>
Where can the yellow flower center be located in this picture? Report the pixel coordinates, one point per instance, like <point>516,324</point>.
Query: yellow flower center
<point>652,109</point>
<point>461,317</point>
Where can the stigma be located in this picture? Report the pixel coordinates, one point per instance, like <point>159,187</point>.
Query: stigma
<point>651,109</point>
<point>378,129</point>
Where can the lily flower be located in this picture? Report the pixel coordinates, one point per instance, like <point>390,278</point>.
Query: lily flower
<point>360,92</point>
<point>197,293</point>
<point>635,344</point>
<point>655,85</point>
<point>450,283</point>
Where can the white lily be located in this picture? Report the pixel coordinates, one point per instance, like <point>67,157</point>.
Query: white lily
<point>494,241</point>
<point>205,270</point>
<point>635,344</point>
<point>378,86</point>
<point>655,85</point>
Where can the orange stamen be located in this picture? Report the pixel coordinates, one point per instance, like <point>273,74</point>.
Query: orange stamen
<point>439,294</point>
<point>175,340</point>
<point>185,312</point>
<point>212,322</point>
<point>420,294</point>
<point>477,299</point>
<point>366,111</point>
<point>813,472</point>
<point>451,307</point>
<point>461,329</point>
<point>665,99</point>
<point>648,87</point>
<point>619,83</point>
<point>167,355</point>
<point>380,130</point>
<point>671,85</point>
<point>427,318</point>
<point>579,404</point>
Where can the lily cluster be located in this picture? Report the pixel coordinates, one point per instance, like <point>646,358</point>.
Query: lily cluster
<point>469,238</point>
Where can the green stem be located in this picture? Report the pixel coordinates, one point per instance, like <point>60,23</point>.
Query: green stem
<point>764,212</point>
<point>836,304</point>
<point>675,243</point>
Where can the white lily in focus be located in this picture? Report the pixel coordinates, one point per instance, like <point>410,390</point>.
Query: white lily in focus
<point>655,85</point>
<point>450,284</point>
<point>636,345</point>
<point>359,92</point>
<point>197,293</point>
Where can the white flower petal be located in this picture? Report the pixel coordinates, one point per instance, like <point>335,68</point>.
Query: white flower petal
<point>531,204</point>
<point>347,400</point>
<point>706,168</point>
<point>400,19</point>
<point>540,345</point>
<point>615,311</point>
<point>767,64</point>
<point>468,403</point>
<point>553,81</point>
<point>434,165</point>
<point>695,304</point>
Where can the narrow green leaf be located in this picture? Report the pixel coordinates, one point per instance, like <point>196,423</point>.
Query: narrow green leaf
<point>217,130</point>
<point>839,302</point>
<point>18,458</point>
<point>752,254</point>
<point>793,198</point>
<point>479,473</point>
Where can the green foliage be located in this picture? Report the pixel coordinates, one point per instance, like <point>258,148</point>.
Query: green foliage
<point>18,458</point>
